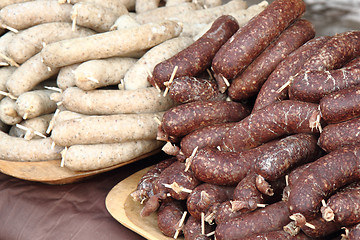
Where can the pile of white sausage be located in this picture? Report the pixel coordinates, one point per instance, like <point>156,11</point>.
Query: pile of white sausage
<point>73,74</point>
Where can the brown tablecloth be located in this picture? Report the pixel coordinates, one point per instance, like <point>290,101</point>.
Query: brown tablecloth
<point>31,210</point>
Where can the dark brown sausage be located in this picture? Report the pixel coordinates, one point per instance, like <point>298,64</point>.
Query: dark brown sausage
<point>144,189</point>
<point>246,195</point>
<point>321,179</point>
<point>335,136</point>
<point>344,206</point>
<point>287,153</point>
<point>209,136</point>
<point>277,235</point>
<point>192,229</point>
<point>180,182</point>
<point>223,212</point>
<point>269,93</point>
<point>185,118</point>
<point>336,52</point>
<point>251,39</point>
<point>312,85</point>
<point>270,218</point>
<point>198,56</point>
<point>320,228</point>
<point>249,82</point>
<point>352,233</point>
<point>169,216</point>
<point>274,121</point>
<point>341,106</point>
<point>223,168</point>
<point>206,195</point>
<point>189,89</point>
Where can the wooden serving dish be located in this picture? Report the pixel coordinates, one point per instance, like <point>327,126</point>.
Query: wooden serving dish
<point>51,172</point>
<point>125,210</point>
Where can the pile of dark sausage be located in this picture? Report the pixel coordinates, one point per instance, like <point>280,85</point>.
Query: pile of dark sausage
<point>265,141</point>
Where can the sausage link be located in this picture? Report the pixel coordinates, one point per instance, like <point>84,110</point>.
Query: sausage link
<point>246,195</point>
<point>341,106</point>
<point>251,39</point>
<point>352,233</point>
<point>144,188</point>
<point>336,136</point>
<point>189,89</point>
<point>209,136</point>
<point>276,235</point>
<point>290,151</point>
<point>169,215</point>
<point>198,56</point>
<point>270,218</point>
<point>273,121</point>
<point>343,207</point>
<point>185,118</point>
<point>193,229</point>
<point>322,178</point>
<point>249,82</point>
<point>206,195</point>
<point>269,93</point>
<point>320,228</point>
<point>312,85</point>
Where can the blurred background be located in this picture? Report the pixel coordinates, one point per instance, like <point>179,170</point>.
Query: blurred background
<point>330,16</point>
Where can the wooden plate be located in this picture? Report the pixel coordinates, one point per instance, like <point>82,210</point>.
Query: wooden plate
<point>125,210</point>
<point>51,172</point>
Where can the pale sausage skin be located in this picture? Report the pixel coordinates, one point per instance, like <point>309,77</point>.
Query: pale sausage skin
<point>321,178</point>
<point>185,118</point>
<point>269,93</point>
<point>255,36</point>
<point>198,56</point>
<point>249,82</point>
<point>276,120</point>
<point>341,105</point>
<point>270,218</point>
<point>335,136</point>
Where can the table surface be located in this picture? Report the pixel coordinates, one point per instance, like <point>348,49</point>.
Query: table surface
<point>31,210</point>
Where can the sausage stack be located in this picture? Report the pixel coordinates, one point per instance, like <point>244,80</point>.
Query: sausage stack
<point>288,167</point>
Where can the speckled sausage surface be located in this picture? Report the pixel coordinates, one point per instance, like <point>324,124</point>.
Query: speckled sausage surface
<point>206,195</point>
<point>255,36</point>
<point>336,52</point>
<point>344,206</point>
<point>336,136</point>
<point>192,229</point>
<point>198,56</point>
<point>185,118</point>
<point>169,216</point>
<point>285,154</point>
<point>276,120</point>
<point>312,85</point>
<point>246,195</point>
<point>249,82</point>
<point>322,178</point>
<point>188,89</point>
<point>222,168</point>
<point>268,93</point>
<point>209,136</point>
<point>224,212</point>
<point>341,105</point>
<point>270,218</point>
<point>354,232</point>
